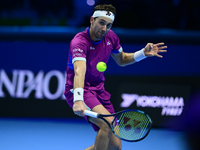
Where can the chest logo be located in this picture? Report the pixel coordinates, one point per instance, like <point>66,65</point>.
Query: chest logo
<point>108,43</point>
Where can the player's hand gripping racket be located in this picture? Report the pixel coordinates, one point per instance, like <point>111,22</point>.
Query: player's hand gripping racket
<point>129,125</point>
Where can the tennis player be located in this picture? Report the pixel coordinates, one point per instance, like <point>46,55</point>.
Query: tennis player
<point>84,87</point>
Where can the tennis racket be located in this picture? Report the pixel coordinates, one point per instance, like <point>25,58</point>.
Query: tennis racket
<point>129,125</point>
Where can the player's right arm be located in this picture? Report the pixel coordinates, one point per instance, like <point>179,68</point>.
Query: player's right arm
<point>79,80</point>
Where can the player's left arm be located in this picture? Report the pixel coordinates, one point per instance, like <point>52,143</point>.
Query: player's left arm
<point>123,59</point>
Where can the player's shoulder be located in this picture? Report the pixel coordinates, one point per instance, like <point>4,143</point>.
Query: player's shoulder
<point>81,37</point>
<point>111,34</point>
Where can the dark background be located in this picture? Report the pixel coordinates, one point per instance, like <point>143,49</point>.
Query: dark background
<point>137,14</point>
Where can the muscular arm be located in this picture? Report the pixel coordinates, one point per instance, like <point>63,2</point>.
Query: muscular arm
<point>79,70</point>
<point>123,59</point>
<point>79,80</point>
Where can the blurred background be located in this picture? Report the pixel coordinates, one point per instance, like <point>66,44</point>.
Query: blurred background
<point>137,14</point>
<point>34,43</point>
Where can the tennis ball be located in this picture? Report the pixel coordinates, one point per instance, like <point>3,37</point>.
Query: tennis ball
<point>101,66</point>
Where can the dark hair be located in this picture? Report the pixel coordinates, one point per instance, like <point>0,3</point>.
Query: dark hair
<point>107,7</point>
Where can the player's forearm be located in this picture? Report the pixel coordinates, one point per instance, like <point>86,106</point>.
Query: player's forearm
<point>127,59</point>
<point>79,84</point>
<point>79,71</point>
<point>79,77</point>
<point>130,58</point>
<point>79,81</point>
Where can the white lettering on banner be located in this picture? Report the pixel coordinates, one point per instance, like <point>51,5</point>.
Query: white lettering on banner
<point>172,111</point>
<point>10,85</point>
<point>128,99</point>
<point>23,82</point>
<point>47,79</point>
<point>170,106</point>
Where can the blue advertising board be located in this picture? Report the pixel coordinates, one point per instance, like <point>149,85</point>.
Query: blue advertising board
<point>180,60</point>
<point>32,79</point>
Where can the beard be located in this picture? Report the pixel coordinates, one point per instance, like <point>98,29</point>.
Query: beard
<point>100,35</point>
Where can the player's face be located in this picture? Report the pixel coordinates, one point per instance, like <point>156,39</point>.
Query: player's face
<point>100,27</point>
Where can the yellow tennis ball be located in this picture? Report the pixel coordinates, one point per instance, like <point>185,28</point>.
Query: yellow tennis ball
<point>101,66</point>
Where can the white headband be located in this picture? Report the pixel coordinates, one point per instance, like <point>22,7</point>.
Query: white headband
<point>104,13</point>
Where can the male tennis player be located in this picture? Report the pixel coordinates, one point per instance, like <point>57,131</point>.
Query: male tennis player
<point>84,87</point>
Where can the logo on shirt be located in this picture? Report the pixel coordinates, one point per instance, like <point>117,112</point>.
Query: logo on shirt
<point>77,50</point>
<point>93,48</point>
<point>108,43</point>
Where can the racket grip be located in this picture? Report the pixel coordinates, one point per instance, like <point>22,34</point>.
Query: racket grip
<point>91,113</point>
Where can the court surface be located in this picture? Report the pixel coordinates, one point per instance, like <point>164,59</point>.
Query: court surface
<point>68,134</point>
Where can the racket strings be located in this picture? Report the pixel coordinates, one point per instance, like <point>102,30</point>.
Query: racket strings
<point>131,125</point>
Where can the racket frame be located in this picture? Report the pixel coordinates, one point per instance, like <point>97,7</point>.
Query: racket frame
<point>101,116</point>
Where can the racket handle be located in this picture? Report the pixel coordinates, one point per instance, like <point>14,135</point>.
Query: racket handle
<point>91,113</point>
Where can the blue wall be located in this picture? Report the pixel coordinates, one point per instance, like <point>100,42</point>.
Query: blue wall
<point>180,60</point>
<point>33,64</point>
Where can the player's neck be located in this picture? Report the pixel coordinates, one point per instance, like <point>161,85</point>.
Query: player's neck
<point>92,36</point>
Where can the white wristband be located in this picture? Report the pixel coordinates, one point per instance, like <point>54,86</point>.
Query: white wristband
<point>78,94</point>
<point>139,55</point>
